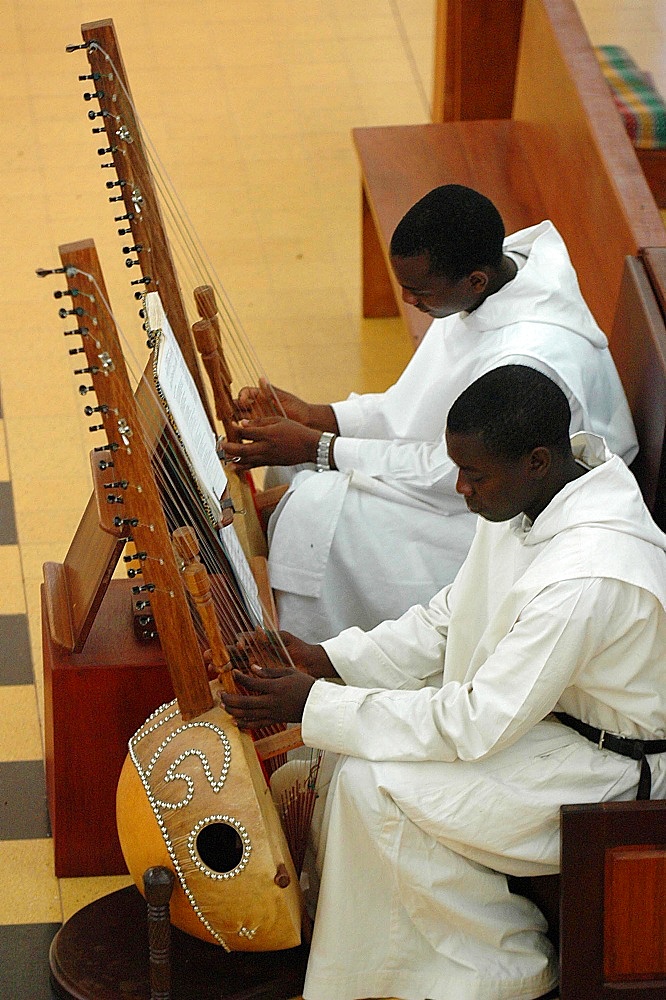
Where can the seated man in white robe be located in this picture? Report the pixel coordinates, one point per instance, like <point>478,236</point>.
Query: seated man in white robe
<point>387,529</point>
<point>464,725</point>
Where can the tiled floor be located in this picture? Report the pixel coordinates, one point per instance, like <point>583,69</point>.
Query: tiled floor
<point>249,104</point>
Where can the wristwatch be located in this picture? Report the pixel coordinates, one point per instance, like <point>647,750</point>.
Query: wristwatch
<point>324,446</point>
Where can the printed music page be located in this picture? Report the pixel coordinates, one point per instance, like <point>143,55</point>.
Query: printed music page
<point>180,395</point>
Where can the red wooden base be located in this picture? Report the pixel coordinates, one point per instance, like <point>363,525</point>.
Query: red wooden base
<point>94,701</point>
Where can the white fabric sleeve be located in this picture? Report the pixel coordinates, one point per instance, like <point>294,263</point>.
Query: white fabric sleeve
<point>352,413</point>
<point>406,653</point>
<point>557,636</point>
<point>420,470</point>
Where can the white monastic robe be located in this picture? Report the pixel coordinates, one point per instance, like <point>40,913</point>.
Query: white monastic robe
<point>388,530</point>
<point>454,769</point>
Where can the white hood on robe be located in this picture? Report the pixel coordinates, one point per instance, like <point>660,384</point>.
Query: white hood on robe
<point>594,539</point>
<point>547,285</point>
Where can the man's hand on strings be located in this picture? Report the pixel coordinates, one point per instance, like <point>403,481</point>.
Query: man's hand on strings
<point>265,400</point>
<point>271,649</point>
<point>275,649</point>
<point>275,694</point>
<point>260,648</point>
<point>271,441</point>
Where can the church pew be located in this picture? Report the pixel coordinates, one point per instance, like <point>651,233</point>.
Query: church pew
<point>563,154</point>
<point>606,910</point>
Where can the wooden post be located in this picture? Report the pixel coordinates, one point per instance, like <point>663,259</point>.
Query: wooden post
<point>476,52</point>
<point>158,886</point>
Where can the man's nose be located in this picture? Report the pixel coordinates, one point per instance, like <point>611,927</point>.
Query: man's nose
<point>463,486</point>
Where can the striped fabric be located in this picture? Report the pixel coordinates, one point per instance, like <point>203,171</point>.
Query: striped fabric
<point>641,106</point>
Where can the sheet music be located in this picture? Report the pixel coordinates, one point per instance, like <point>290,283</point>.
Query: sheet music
<point>244,575</point>
<point>181,396</point>
<point>184,403</point>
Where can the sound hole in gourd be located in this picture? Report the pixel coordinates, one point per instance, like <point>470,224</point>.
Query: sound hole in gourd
<point>219,847</point>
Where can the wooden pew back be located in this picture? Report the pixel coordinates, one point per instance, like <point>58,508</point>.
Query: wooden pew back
<point>638,342</point>
<point>611,904</point>
<point>582,160</point>
<point>612,913</point>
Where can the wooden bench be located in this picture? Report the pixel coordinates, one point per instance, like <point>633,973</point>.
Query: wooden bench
<point>606,910</point>
<point>608,905</point>
<point>563,154</point>
<point>602,909</point>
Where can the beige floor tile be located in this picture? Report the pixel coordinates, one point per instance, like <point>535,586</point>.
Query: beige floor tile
<point>20,732</point>
<point>12,598</point>
<point>28,888</point>
<point>63,462</point>
<point>78,892</point>
<point>638,27</point>
<point>341,115</point>
<point>54,526</point>
<point>4,461</point>
<point>384,350</point>
<point>319,74</point>
<point>34,556</point>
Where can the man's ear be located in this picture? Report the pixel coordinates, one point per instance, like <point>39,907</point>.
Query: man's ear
<point>539,462</point>
<point>478,281</point>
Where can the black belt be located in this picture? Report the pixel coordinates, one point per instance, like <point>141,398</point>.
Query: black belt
<point>636,749</point>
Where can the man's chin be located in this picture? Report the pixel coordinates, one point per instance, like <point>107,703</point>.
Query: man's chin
<point>490,516</point>
<point>495,517</point>
<point>438,313</point>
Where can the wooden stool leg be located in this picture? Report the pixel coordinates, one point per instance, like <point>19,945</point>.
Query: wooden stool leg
<point>158,886</point>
